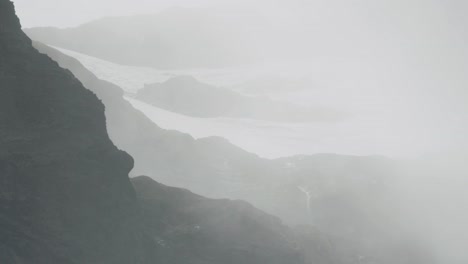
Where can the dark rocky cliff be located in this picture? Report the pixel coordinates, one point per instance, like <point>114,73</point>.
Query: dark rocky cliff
<point>65,195</point>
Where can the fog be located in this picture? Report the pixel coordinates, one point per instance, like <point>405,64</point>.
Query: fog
<point>349,77</point>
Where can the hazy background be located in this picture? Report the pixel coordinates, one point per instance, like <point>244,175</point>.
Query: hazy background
<point>401,64</point>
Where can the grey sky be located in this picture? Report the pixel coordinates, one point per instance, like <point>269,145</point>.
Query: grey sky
<point>65,13</point>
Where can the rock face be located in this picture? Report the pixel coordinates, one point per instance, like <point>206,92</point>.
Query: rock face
<point>65,195</point>
<point>193,229</point>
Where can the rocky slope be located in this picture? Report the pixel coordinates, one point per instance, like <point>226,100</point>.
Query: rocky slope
<point>65,195</point>
<point>193,229</point>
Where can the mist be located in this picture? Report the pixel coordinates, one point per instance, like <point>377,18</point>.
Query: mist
<point>344,119</point>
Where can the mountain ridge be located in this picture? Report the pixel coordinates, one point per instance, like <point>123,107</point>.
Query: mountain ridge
<point>157,40</point>
<point>62,192</point>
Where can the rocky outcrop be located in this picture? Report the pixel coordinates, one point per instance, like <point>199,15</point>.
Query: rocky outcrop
<point>65,195</point>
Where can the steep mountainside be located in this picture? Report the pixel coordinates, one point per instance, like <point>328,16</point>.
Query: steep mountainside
<point>65,195</point>
<point>173,157</point>
<point>345,197</point>
<point>188,96</point>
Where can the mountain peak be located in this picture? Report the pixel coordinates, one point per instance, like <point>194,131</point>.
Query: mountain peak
<point>8,20</point>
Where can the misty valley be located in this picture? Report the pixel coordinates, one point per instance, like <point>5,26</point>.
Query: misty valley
<point>233,132</point>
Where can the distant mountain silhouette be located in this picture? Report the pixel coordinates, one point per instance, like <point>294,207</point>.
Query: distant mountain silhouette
<point>187,96</point>
<point>175,38</point>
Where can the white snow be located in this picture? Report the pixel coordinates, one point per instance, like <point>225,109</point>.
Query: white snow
<point>272,140</point>
<point>379,124</point>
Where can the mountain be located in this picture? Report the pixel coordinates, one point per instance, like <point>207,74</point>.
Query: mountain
<point>185,95</point>
<point>65,195</point>
<point>342,204</point>
<point>160,40</point>
<point>194,229</point>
